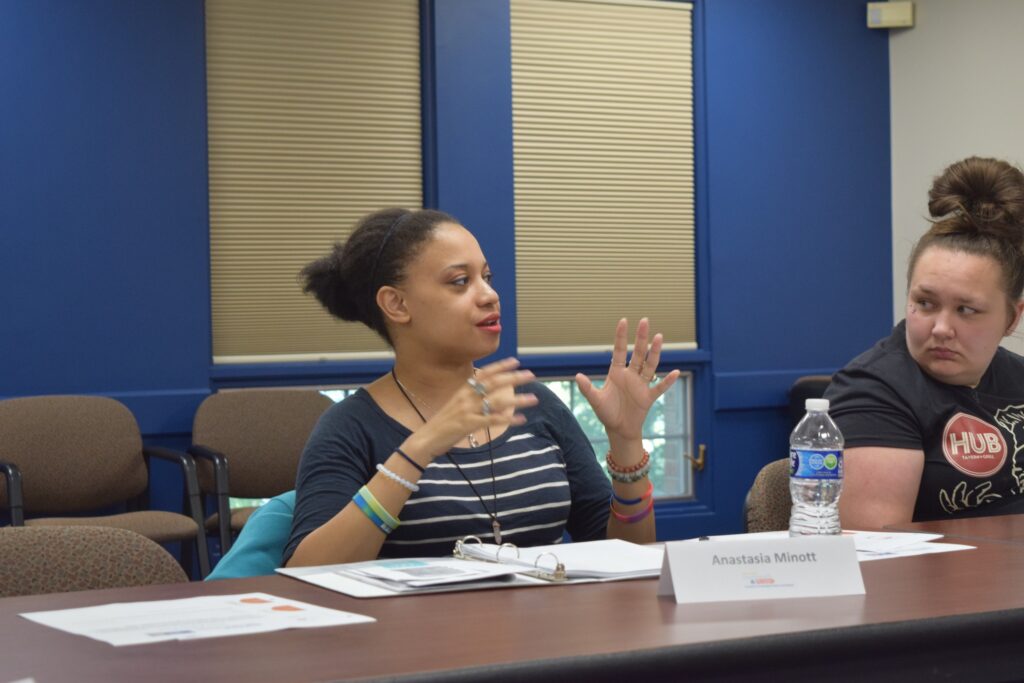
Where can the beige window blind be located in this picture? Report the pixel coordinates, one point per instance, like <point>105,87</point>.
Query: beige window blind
<point>602,100</point>
<point>314,121</point>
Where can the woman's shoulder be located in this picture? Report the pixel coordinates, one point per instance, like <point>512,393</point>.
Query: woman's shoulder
<point>1010,360</point>
<point>358,405</point>
<point>356,413</point>
<point>1005,374</point>
<point>883,372</point>
<point>888,362</point>
<point>548,402</point>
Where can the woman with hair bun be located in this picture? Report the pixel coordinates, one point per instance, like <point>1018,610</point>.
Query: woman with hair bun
<point>933,415</point>
<point>439,448</point>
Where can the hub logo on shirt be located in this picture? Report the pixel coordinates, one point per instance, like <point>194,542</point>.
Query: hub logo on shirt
<point>973,446</point>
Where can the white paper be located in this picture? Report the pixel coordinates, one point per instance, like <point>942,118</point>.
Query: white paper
<point>134,623</point>
<point>431,571</point>
<point>607,559</point>
<point>871,545</point>
<point>341,578</point>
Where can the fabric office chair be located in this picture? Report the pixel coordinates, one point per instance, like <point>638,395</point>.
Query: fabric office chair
<point>808,386</point>
<point>768,502</point>
<point>36,560</point>
<point>75,454</point>
<point>247,443</point>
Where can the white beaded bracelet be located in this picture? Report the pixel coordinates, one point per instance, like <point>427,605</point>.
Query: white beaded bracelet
<point>405,483</point>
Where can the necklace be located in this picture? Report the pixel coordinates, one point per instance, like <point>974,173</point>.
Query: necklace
<point>409,396</point>
<point>495,524</point>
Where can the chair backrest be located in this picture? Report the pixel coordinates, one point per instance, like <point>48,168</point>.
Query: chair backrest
<point>261,432</point>
<point>808,386</point>
<point>768,502</point>
<point>57,559</point>
<point>75,452</point>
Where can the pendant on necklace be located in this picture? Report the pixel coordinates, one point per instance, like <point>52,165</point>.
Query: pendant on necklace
<point>497,530</point>
<point>473,443</point>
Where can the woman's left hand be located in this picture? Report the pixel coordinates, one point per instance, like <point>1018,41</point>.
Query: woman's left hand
<point>626,397</point>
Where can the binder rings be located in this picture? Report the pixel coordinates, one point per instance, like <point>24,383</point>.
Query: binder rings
<point>475,565</point>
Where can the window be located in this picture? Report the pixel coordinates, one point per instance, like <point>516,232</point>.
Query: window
<point>314,121</point>
<point>667,434</point>
<point>602,109</point>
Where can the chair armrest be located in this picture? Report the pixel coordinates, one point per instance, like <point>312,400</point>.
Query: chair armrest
<point>195,502</point>
<point>15,498</point>
<point>220,466</point>
<point>184,460</point>
<point>220,489</point>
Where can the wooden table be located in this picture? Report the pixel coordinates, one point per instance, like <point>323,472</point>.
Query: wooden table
<point>1000,529</point>
<point>952,615</point>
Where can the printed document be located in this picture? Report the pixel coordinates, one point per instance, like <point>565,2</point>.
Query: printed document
<point>135,623</point>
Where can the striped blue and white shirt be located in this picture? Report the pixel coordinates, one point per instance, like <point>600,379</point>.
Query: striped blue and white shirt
<point>546,480</point>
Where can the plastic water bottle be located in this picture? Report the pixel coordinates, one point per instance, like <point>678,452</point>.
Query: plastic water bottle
<point>815,472</point>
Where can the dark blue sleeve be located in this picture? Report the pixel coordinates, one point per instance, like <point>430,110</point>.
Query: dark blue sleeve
<point>337,461</point>
<point>588,485</point>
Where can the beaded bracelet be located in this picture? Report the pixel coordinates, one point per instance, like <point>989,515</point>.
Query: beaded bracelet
<point>634,501</point>
<point>401,481</point>
<point>410,460</point>
<point>629,477</point>
<point>615,467</point>
<point>634,518</point>
<point>371,507</point>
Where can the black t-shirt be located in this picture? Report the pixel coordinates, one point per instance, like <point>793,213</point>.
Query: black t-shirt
<point>972,438</point>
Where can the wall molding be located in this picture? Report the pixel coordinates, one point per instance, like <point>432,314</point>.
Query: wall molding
<point>758,389</point>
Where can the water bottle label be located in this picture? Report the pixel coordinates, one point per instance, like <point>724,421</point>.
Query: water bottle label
<point>815,464</point>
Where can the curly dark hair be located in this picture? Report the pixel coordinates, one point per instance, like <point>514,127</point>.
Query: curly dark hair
<point>376,254</point>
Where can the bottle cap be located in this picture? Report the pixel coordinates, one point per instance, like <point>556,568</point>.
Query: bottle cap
<point>816,404</point>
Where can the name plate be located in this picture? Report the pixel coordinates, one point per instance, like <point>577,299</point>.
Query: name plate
<point>763,569</point>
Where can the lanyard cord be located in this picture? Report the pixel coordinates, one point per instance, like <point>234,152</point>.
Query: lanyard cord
<point>490,452</point>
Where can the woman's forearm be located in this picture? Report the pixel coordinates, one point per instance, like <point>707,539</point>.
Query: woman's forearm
<point>631,517</point>
<point>351,535</point>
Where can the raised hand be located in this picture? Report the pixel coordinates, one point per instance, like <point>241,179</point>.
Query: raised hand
<point>626,397</point>
<point>487,400</point>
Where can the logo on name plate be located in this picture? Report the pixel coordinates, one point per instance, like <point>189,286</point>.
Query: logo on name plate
<point>973,446</point>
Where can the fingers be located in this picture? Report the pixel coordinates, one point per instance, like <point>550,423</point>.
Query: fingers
<point>664,385</point>
<point>619,349</point>
<point>586,387</point>
<point>491,394</point>
<point>640,346</point>
<point>499,375</point>
<point>650,367</point>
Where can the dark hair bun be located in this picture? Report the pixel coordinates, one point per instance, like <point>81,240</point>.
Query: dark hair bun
<point>323,279</point>
<point>376,253</point>
<point>980,195</point>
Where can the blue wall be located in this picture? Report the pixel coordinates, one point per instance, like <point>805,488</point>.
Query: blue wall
<point>103,208</point>
<point>797,210</point>
<point>104,222</point>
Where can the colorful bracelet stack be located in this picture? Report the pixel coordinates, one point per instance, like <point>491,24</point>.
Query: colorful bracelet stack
<point>628,475</point>
<point>636,517</point>
<point>635,501</point>
<point>376,513</point>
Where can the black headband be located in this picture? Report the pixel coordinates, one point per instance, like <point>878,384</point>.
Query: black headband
<point>380,251</point>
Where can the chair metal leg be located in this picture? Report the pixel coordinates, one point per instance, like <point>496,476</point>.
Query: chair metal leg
<point>224,522</point>
<point>14,493</point>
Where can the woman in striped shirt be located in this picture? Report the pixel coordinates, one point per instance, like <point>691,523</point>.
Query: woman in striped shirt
<point>452,449</point>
